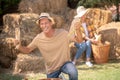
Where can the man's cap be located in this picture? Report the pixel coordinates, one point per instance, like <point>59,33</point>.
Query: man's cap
<point>45,15</point>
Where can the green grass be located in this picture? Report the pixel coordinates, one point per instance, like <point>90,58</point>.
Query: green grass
<point>10,77</point>
<point>108,71</point>
<point>100,72</point>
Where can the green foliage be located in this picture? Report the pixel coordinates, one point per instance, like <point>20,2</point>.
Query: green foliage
<point>91,3</point>
<point>97,3</point>
<point>0,11</point>
<point>100,4</point>
<point>5,4</point>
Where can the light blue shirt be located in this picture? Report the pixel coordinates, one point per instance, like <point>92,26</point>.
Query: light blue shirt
<point>85,29</point>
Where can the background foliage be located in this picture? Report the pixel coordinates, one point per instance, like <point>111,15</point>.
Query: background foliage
<point>6,4</point>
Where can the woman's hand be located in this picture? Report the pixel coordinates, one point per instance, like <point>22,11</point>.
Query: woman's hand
<point>94,41</point>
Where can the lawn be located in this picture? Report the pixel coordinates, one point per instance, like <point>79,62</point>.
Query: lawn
<point>107,71</point>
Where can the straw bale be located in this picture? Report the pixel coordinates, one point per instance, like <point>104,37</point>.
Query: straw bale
<point>111,33</point>
<point>56,6</point>
<point>5,61</point>
<point>29,62</point>
<point>38,6</point>
<point>99,17</point>
<point>7,48</point>
<point>26,22</point>
<point>106,17</point>
<point>28,29</point>
<point>59,20</point>
<point>68,17</point>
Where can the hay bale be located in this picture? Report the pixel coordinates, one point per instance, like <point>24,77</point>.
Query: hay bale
<point>34,6</point>
<point>99,17</point>
<point>111,33</point>
<point>5,61</point>
<point>26,22</point>
<point>59,20</point>
<point>68,17</point>
<point>38,6</point>
<point>29,62</point>
<point>7,48</point>
<point>56,6</point>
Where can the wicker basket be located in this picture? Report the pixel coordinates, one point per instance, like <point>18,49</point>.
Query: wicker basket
<point>101,53</point>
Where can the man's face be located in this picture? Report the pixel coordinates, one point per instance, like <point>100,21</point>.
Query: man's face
<point>45,25</point>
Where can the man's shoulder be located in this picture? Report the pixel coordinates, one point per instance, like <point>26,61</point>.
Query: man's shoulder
<point>39,35</point>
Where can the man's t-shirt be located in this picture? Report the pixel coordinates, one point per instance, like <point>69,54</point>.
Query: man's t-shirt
<point>55,50</point>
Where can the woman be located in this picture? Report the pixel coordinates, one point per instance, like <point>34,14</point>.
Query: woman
<point>82,34</point>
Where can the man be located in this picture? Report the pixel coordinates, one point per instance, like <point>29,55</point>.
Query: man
<point>82,35</point>
<point>54,47</point>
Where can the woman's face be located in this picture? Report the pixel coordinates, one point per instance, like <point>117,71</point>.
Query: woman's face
<point>45,25</point>
<point>83,18</point>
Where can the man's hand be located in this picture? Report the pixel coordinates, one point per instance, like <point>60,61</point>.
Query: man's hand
<point>17,43</point>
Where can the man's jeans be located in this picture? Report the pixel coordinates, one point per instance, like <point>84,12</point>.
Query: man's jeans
<point>81,47</point>
<point>68,68</point>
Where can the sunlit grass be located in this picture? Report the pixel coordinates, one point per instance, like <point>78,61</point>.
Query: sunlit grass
<point>108,71</point>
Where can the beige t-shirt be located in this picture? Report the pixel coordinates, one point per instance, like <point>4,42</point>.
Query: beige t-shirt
<point>55,50</point>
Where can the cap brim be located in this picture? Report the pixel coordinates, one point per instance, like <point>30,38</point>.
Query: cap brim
<point>50,18</point>
<point>44,17</point>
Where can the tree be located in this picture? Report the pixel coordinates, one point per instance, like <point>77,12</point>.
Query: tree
<point>100,4</point>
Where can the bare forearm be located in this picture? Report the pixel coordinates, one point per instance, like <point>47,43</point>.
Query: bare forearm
<point>24,49</point>
<point>86,38</point>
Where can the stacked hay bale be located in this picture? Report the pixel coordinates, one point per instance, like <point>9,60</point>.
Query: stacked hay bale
<point>28,29</point>
<point>111,32</point>
<point>7,52</point>
<point>27,25</point>
<point>59,20</point>
<point>99,17</point>
<point>29,62</point>
<point>38,6</point>
<point>26,22</point>
<point>58,7</point>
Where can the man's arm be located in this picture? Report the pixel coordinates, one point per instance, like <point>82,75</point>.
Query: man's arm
<point>21,48</point>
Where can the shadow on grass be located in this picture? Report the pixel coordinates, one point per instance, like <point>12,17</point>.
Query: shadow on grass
<point>10,77</point>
